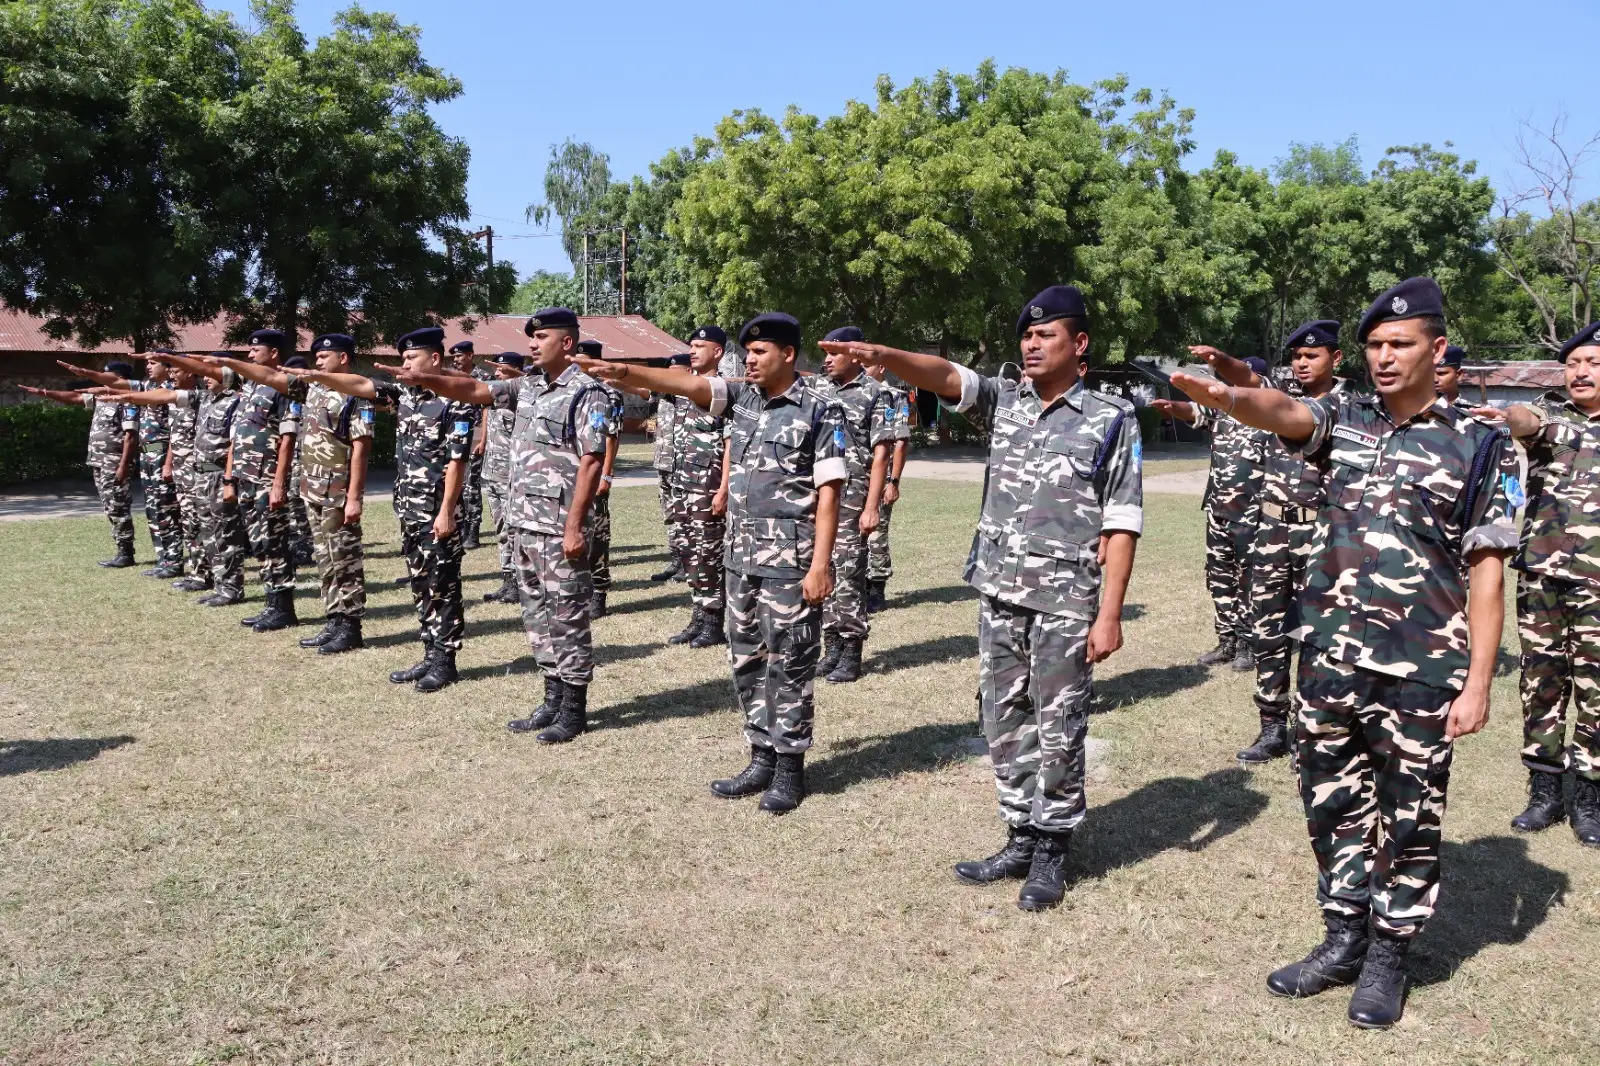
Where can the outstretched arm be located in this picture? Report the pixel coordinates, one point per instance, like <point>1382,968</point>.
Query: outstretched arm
<point>66,396</point>
<point>934,373</point>
<point>204,369</point>
<point>99,377</point>
<point>1268,409</point>
<point>1181,410</point>
<point>147,398</point>
<point>1232,371</point>
<point>652,379</point>
<point>348,384</point>
<point>452,385</point>
<point>266,375</point>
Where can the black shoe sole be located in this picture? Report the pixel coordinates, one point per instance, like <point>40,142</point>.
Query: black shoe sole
<point>1034,908</point>
<point>979,882</point>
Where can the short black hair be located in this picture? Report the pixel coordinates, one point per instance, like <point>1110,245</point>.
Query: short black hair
<point>1433,326</point>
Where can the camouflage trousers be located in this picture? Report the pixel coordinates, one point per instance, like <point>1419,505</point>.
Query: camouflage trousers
<point>472,494</point>
<point>223,530</point>
<point>336,546</point>
<point>498,491</point>
<point>434,567</point>
<point>677,545</point>
<point>701,534</point>
<point>1229,539</point>
<point>598,534</point>
<point>1374,770</point>
<point>1559,622</point>
<point>844,614</point>
<point>555,594</point>
<point>1277,572</point>
<point>298,523</point>
<point>268,534</point>
<point>880,567</point>
<point>161,509</point>
<point>1034,684</point>
<point>116,498</point>
<point>773,643</point>
<point>192,507</point>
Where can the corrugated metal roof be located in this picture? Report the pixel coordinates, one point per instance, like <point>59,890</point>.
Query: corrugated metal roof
<point>627,336</point>
<point>1541,374</point>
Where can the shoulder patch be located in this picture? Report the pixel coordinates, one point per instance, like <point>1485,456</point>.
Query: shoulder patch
<point>1513,486</point>
<point>838,437</point>
<point>368,416</point>
<point>1120,403</point>
<point>463,426</point>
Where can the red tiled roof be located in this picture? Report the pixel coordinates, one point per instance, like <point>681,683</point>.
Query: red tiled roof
<point>627,336</point>
<point>1532,374</point>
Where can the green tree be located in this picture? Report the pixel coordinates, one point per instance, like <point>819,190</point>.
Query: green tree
<point>544,288</point>
<point>575,180</point>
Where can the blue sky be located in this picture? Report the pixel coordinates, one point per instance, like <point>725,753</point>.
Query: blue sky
<point>638,79</point>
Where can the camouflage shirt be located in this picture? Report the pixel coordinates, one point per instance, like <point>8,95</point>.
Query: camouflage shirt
<point>899,401</point>
<point>431,432</point>
<point>781,449</point>
<point>666,420</point>
<point>1295,482</point>
<point>183,419</point>
<point>697,448</point>
<point>1058,477</point>
<point>329,423</point>
<point>109,423</point>
<point>262,417</point>
<point>1561,527</point>
<point>1386,585</point>
<point>155,424</point>
<point>1238,457</point>
<point>498,423</point>
<point>556,424</point>
<point>214,407</point>
<point>868,422</point>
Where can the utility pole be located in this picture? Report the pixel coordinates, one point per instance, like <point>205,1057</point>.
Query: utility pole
<point>622,305</point>
<point>486,234</point>
<point>586,272</point>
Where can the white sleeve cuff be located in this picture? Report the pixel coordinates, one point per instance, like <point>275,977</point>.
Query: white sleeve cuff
<point>969,389</point>
<point>719,395</point>
<point>288,426</point>
<point>827,471</point>
<point>87,401</point>
<point>1122,518</point>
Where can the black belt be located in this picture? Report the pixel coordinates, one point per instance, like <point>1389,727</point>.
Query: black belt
<point>1292,514</point>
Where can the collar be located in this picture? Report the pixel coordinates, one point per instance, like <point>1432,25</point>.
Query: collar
<point>794,394</point>
<point>562,378</point>
<point>1073,397</point>
<point>1440,410</point>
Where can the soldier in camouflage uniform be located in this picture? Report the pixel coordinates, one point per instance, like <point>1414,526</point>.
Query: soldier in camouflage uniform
<point>335,436</point>
<point>113,450</point>
<point>497,425</point>
<point>1062,509</point>
<point>180,469</point>
<point>463,356</point>
<point>1558,593</point>
<point>787,465</point>
<point>599,524</point>
<point>1400,623</point>
<point>297,519</point>
<point>880,564</point>
<point>160,493</point>
<point>869,425</point>
<point>697,456</point>
<point>666,413</point>
<point>558,445</point>
<point>434,437</point>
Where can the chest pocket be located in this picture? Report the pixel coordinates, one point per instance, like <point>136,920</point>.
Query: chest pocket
<point>783,448</point>
<point>1350,464</point>
<point>433,412</point>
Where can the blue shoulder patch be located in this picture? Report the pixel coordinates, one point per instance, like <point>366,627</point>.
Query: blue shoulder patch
<point>839,437</point>
<point>1513,487</point>
<point>597,420</point>
<point>295,408</point>
<point>463,427</point>
<point>368,415</point>
<point>1138,454</point>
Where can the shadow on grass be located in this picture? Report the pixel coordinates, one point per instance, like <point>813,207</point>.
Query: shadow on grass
<point>704,697</point>
<point>858,759</point>
<point>1492,893</point>
<point>937,594</point>
<point>53,753</point>
<point>1147,682</point>
<point>1172,814</point>
<point>910,656</point>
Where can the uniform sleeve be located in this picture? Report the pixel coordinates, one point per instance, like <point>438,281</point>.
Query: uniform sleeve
<point>1326,415</point>
<point>880,426</point>
<point>1492,525</point>
<point>130,417</point>
<point>387,393</point>
<point>290,411</point>
<point>979,396</point>
<point>87,400</point>
<point>724,394</point>
<point>1122,494</point>
<point>363,419</point>
<point>591,422</point>
<point>458,438</point>
<point>902,416</point>
<point>828,463</point>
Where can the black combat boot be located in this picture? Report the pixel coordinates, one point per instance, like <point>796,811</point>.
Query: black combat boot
<point>1222,653</point>
<point>1335,961</point>
<point>752,779</point>
<point>403,579</point>
<point>1380,996</point>
<point>1586,811</point>
<point>472,541</point>
<point>346,638</point>
<point>673,569</point>
<point>221,598</point>
<point>1271,743</point>
<point>323,635</point>
<point>1243,661</point>
<point>279,613</point>
<point>832,648</point>
<point>690,631</point>
<point>250,621</point>
<point>788,786</point>
<point>553,691</point>
<point>1012,861</point>
<point>123,558</point>
<point>848,668</point>
<point>711,631</point>
<point>572,720</point>
<point>1545,808</point>
<point>411,673</point>
<point>506,593</point>
<point>440,672</point>
<point>876,599</point>
<point>302,555</point>
<point>192,583</point>
<point>597,606</point>
<point>1047,874</point>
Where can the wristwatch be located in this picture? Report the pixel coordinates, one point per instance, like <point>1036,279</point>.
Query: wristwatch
<point>891,480</point>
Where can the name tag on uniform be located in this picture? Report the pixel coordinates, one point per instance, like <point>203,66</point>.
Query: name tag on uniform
<point>1016,418</point>
<point>1366,440</point>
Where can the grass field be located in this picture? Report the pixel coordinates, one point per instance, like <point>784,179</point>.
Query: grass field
<point>215,847</point>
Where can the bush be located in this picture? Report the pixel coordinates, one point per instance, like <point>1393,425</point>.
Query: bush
<point>39,441</point>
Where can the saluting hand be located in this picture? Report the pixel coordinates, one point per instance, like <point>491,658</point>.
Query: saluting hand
<point>861,351</point>
<point>1206,391</point>
<point>602,369</point>
<point>1183,412</point>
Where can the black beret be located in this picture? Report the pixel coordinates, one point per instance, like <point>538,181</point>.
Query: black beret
<point>775,326</point>
<point>426,337</point>
<point>510,359</point>
<point>1318,333</point>
<point>1589,334</point>
<point>295,362</point>
<point>714,334</point>
<point>593,349</point>
<point>119,368</point>
<point>461,346</point>
<point>222,353</point>
<point>551,318</point>
<point>1058,301</point>
<point>272,338</point>
<point>1412,298</point>
<point>1454,355</point>
<point>846,334</point>
<point>339,342</point>
<point>1256,363</point>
